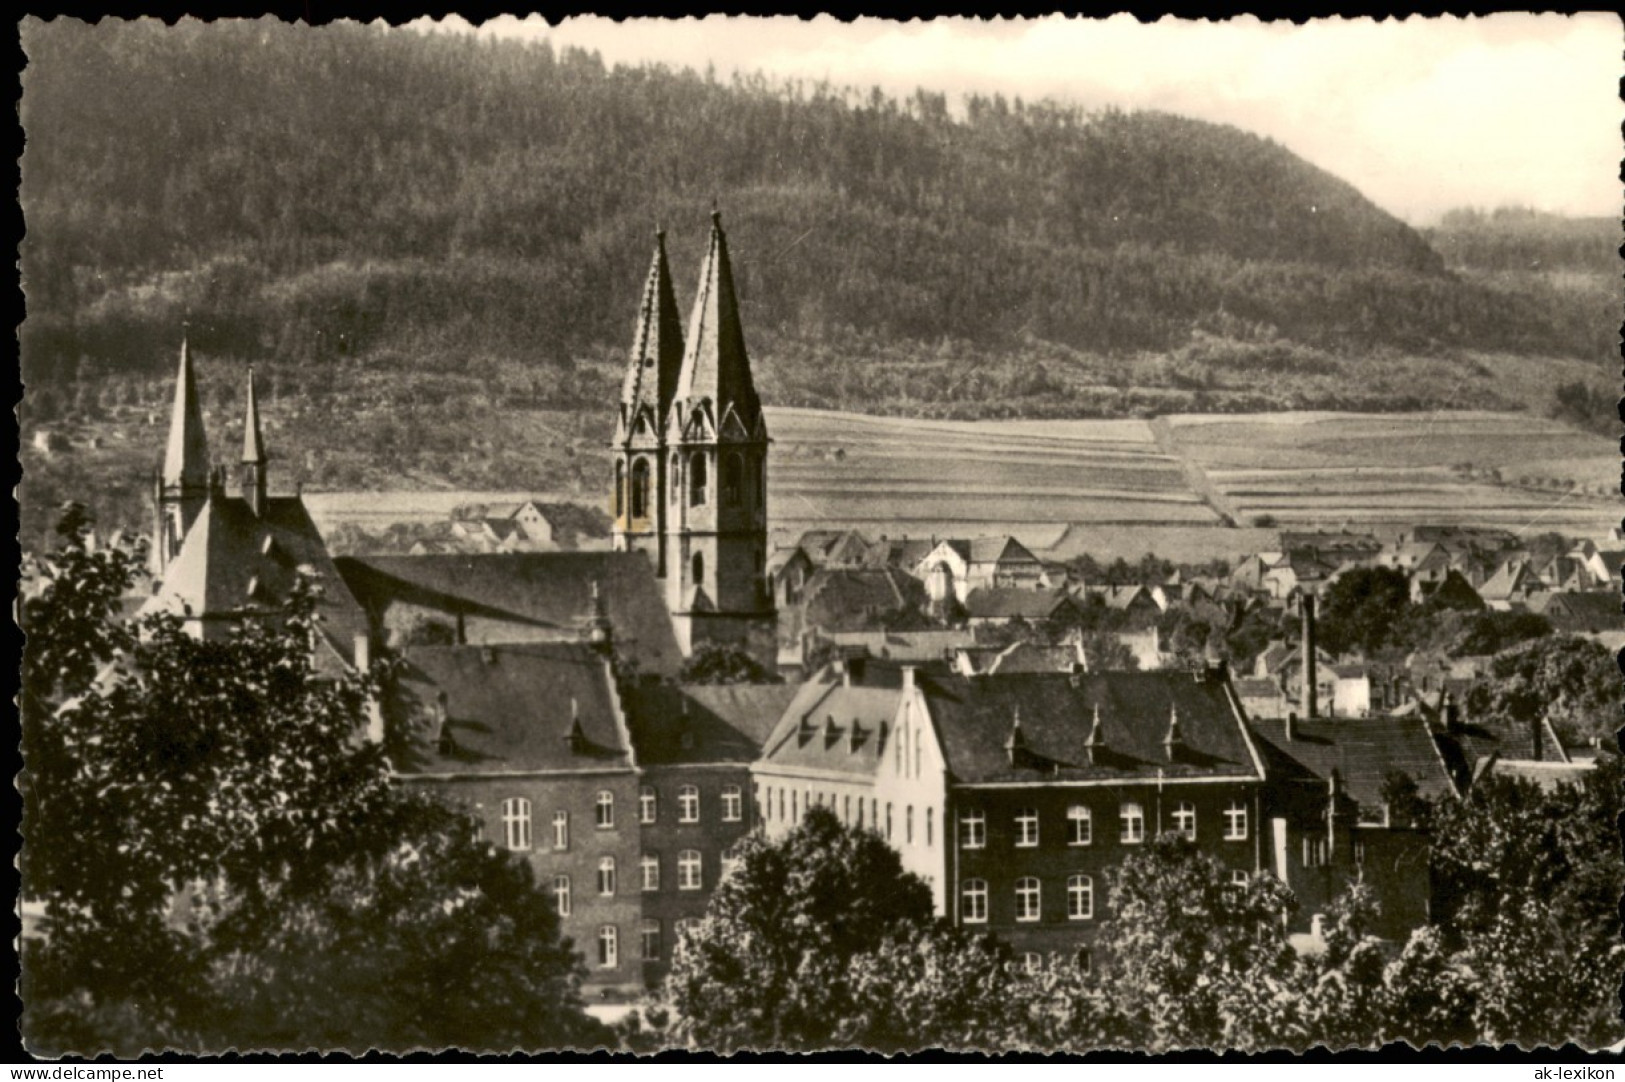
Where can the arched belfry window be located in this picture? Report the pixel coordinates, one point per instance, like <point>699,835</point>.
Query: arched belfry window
<point>733,478</point>
<point>640,488</point>
<point>674,479</point>
<point>697,479</point>
<point>620,489</point>
<point>698,566</point>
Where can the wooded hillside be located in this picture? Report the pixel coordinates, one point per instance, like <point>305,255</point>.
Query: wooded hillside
<point>412,234</point>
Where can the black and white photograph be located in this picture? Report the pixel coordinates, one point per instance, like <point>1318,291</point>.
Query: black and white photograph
<point>772,535</point>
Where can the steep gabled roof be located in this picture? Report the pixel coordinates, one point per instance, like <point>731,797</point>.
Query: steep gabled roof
<point>715,365</point>
<point>234,563</point>
<point>973,718</point>
<point>511,709</point>
<point>1363,751</point>
<point>253,441</point>
<point>657,348</point>
<point>1579,613</point>
<point>1000,602</point>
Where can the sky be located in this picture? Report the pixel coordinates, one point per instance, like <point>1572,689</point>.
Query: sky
<point>1421,115</point>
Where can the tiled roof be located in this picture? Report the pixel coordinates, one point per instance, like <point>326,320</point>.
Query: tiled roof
<point>1597,610</point>
<point>715,365</point>
<point>848,599</point>
<point>974,716</point>
<point>547,590</point>
<point>704,723</point>
<point>657,347</point>
<point>1363,751</point>
<point>1026,657</point>
<point>186,456</point>
<point>511,708</point>
<point>995,602</point>
<point>234,563</point>
<point>1470,741</point>
<point>1546,775</point>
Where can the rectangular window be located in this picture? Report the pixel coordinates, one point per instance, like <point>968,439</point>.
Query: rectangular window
<point>606,809</point>
<point>516,822</point>
<point>1080,898</point>
<point>1027,828</point>
<point>688,870</point>
<point>688,804</point>
<point>973,902</point>
<point>733,805</point>
<point>1239,878</point>
<point>1235,822</point>
<point>649,869</point>
<point>1080,825</point>
<point>651,940</point>
<point>561,830</point>
<point>908,825</point>
<point>561,894</point>
<point>930,826</point>
<point>606,876</point>
<point>648,804</point>
<point>1132,820</point>
<point>1314,850</point>
<point>972,829</point>
<point>609,947</point>
<point>1027,898</point>
<point>1185,819</point>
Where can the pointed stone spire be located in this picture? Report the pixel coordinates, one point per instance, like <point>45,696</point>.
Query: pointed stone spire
<point>657,347</point>
<point>254,479</point>
<point>715,364</point>
<point>186,459</point>
<point>253,441</point>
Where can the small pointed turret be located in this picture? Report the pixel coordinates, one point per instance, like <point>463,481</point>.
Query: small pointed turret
<point>1015,745</point>
<point>657,349</point>
<point>715,365</point>
<point>1175,739</point>
<point>1096,741</point>
<point>253,476</point>
<point>186,459</point>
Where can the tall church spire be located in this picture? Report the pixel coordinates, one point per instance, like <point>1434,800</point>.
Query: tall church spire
<point>186,460</point>
<point>715,364</point>
<point>657,348</point>
<point>254,479</point>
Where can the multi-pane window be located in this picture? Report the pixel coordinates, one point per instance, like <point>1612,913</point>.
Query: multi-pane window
<point>1131,817</point>
<point>609,947</point>
<point>605,809</point>
<point>1032,961</point>
<point>649,871</point>
<point>688,870</point>
<point>561,894</point>
<point>561,830</point>
<point>972,829</point>
<point>650,940</point>
<point>1027,827</point>
<point>1080,825</point>
<point>1235,821</point>
<point>1239,878</point>
<point>1185,819</point>
<point>606,875</point>
<point>973,901</point>
<point>1080,897</point>
<point>1027,898</point>
<point>688,804</point>
<point>733,804</point>
<point>648,804</point>
<point>516,822</point>
<point>1314,850</point>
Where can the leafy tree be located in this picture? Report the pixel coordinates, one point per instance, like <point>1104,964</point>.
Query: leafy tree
<point>718,663</point>
<point>1361,610</point>
<point>1184,941</point>
<point>222,861</point>
<point>1493,632</point>
<point>770,965</point>
<point>1533,880</point>
<point>1573,682</point>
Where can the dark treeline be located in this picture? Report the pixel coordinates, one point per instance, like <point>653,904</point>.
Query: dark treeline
<point>307,196</point>
<point>1521,238</point>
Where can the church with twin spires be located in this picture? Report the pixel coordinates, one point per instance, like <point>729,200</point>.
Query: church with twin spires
<point>688,496</point>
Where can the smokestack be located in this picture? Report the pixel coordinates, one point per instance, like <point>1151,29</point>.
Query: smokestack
<point>1309,675</point>
<point>1291,726</point>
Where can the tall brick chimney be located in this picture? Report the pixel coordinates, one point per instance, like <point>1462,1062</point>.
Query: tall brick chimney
<point>1310,708</point>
